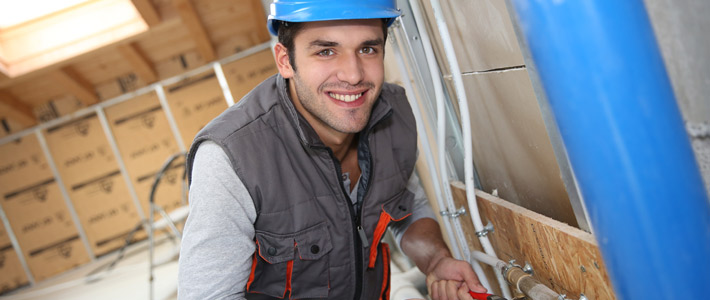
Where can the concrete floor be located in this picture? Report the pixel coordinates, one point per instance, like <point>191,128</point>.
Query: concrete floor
<point>127,280</point>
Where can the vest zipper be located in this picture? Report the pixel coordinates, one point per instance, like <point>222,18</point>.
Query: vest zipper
<point>358,232</point>
<point>359,235</point>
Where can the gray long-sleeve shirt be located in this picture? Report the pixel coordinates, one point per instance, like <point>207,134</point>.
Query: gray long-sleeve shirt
<point>218,237</point>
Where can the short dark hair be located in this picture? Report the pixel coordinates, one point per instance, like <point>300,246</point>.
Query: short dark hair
<point>288,31</point>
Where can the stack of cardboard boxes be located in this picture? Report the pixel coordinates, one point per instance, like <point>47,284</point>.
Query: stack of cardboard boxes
<point>107,192</point>
<point>36,211</point>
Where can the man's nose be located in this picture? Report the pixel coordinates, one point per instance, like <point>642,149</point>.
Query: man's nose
<point>351,69</point>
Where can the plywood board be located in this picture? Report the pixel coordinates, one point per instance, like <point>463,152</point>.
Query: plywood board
<point>145,141</point>
<point>244,74</point>
<point>481,32</point>
<point>166,40</point>
<point>194,102</point>
<point>12,275</point>
<point>511,148</point>
<point>37,211</point>
<point>93,181</point>
<point>102,65</point>
<point>223,19</point>
<point>564,258</point>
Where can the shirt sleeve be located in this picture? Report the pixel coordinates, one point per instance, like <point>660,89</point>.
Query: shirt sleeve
<point>422,208</point>
<point>218,237</point>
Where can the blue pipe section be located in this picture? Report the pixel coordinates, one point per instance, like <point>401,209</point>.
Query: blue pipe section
<point>608,88</point>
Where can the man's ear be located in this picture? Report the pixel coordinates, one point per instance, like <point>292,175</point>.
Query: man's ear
<point>282,61</point>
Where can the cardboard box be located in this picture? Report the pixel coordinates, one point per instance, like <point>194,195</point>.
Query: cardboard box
<point>194,102</point>
<point>94,182</point>
<point>12,275</point>
<point>119,86</point>
<point>37,211</point>
<point>57,107</point>
<point>80,149</point>
<point>106,211</point>
<point>178,64</point>
<point>170,191</point>
<point>245,74</point>
<point>9,125</point>
<point>146,141</point>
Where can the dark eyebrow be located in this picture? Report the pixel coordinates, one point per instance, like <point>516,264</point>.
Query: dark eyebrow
<point>375,42</point>
<point>330,44</point>
<point>322,43</point>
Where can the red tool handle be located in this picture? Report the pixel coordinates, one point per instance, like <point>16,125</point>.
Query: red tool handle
<point>479,296</point>
<point>484,296</point>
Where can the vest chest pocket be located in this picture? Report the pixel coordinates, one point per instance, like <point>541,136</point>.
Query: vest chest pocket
<point>296,263</point>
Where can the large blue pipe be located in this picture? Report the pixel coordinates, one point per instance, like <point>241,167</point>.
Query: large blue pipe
<point>607,85</point>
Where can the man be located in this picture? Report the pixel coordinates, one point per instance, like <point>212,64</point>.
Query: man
<point>293,188</point>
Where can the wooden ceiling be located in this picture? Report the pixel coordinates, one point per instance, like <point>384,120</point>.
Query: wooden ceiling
<point>182,35</point>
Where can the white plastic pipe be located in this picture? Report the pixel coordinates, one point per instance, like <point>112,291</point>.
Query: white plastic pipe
<point>492,261</point>
<point>430,163</point>
<point>441,140</point>
<point>441,133</point>
<point>404,284</point>
<point>429,158</point>
<point>466,132</point>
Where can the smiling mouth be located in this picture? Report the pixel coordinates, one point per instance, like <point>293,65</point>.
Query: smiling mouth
<point>345,98</point>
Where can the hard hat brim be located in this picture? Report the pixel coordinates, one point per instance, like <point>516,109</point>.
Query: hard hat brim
<point>296,13</point>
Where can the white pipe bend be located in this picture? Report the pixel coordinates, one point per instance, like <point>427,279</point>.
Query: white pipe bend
<point>427,149</point>
<point>466,132</point>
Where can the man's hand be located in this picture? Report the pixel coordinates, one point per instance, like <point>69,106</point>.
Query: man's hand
<point>447,278</point>
<point>450,279</point>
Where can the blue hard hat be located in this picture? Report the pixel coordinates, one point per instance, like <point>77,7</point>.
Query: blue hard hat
<point>325,10</point>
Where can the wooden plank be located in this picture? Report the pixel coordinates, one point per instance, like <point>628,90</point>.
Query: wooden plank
<point>563,257</point>
<point>139,62</point>
<point>167,40</point>
<point>18,111</point>
<point>146,9</point>
<point>197,30</point>
<point>260,16</point>
<point>76,85</point>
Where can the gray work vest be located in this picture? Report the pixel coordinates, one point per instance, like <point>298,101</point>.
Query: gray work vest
<point>311,240</point>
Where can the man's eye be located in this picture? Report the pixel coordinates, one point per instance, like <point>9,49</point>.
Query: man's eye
<point>367,50</point>
<point>326,52</point>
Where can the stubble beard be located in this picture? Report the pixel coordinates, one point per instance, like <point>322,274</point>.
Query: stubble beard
<point>352,123</point>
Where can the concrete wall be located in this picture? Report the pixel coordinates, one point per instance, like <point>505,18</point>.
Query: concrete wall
<point>681,28</point>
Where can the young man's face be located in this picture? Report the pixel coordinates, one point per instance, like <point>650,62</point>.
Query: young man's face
<point>340,71</point>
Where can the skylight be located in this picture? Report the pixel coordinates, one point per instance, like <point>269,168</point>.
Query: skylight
<point>14,12</point>
<point>38,33</point>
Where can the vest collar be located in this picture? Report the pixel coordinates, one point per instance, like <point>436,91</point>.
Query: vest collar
<point>306,134</point>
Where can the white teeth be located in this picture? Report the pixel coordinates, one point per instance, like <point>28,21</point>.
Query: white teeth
<point>345,98</point>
